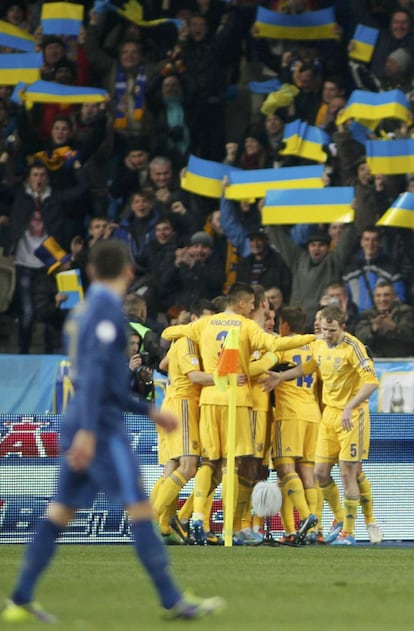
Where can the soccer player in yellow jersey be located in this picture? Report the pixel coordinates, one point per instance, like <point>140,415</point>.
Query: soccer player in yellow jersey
<point>251,467</point>
<point>209,333</point>
<point>348,380</point>
<point>182,446</point>
<point>297,417</point>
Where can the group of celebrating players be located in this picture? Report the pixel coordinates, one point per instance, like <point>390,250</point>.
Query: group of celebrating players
<point>302,407</point>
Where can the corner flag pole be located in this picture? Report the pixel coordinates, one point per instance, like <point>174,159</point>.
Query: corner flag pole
<point>231,440</point>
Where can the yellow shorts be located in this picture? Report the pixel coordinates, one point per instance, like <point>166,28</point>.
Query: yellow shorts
<point>261,422</point>
<point>294,441</point>
<point>213,431</point>
<point>335,444</point>
<point>185,440</point>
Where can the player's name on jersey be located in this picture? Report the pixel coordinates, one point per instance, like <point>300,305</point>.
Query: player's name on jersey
<point>226,322</point>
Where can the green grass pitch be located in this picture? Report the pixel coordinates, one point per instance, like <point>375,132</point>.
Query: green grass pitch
<point>308,589</point>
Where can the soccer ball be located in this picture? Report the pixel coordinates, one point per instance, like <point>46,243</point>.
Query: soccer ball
<point>266,499</point>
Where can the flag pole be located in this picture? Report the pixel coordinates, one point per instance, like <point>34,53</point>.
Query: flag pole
<point>231,440</point>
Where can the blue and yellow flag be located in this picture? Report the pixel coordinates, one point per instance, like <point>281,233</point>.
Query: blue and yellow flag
<point>390,157</point>
<point>51,254</point>
<point>256,183</point>
<point>14,37</point>
<point>16,67</point>
<point>363,43</point>
<point>371,106</point>
<point>61,18</point>
<point>360,133</point>
<point>307,25</point>
<point>70,284</point>
<point>309,206</point>
<point>50,92</point>
<point>400,214</point>
<point>264,87</point>
<point>205,177</point>
<point>304,141</point>
<point>134,12</point>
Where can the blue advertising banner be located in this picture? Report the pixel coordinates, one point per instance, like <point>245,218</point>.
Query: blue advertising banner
<point>29,458</point>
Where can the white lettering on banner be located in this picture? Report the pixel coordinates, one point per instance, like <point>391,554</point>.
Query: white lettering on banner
<point>26,440</point>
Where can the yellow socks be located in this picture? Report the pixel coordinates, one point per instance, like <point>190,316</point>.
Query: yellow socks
<point>169,491</point>
<point>365,498</point>
<point>292,487</point>
<point>331,494</point>
<point>351,509</point>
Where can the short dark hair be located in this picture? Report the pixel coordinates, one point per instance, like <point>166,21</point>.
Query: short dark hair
<point>202,305</point>
<point>259,295</point>
<point>237,291</point>
<point>295,317</point>
<point>109,258</point>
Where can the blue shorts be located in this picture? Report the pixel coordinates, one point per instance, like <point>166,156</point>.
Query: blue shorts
<point>114,471</point>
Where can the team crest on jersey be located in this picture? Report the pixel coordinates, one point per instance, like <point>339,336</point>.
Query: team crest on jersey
<point>337,363</point>
<point>106,331</point>
<point>195,444</point>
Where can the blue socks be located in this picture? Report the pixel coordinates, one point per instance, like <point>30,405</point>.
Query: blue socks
<point>149,548</point>
<point>153,556</point>
<point>37,557</point>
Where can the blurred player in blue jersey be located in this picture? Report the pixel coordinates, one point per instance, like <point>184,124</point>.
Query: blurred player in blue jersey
<point>96,454</point>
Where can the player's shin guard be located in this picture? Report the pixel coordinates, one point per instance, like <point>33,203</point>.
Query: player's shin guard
<point>365,498</point>
<point>351,509</point>
<point>286,513</point>
<point>311,495</point>
<point>38,555</point>
<point>153,556</point>
<point>202,485</point>
<point>242,502</point>
<point>331,494</point>
<point>169,491</point>
<point>292,485</point>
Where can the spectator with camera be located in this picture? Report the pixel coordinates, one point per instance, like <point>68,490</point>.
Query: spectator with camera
<point>140,374</point>
<point>388,327</point>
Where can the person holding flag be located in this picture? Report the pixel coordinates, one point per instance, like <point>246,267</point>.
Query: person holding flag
<point>226,341</point>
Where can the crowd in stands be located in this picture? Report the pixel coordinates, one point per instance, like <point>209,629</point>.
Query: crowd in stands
<point>93,171</point>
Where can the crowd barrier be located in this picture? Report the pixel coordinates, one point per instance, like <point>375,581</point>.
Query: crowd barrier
<point>29,456</point>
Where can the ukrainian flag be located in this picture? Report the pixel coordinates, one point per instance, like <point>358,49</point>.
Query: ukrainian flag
<point>18,67</point>
<point>134,12</point>
<point>307,25</point>
<point>360,133</point>
<point>363,41</point>
<point>205,177</point>
<point>13,37</point>
<point>371,106</point>
<point>309,206</point>
<point>400,214</point>
<point>51,254</point>
<point>264,87</point>
<point>390,157</point>
<point>304,141</point>
<point>61,18</point>
<point>50,92</point>
<point>257,182</point>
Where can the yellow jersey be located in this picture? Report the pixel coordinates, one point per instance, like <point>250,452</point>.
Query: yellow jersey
<point>297,399</point>
<point>343,369</point>
<point>182,358</point>
<point>210,332</point>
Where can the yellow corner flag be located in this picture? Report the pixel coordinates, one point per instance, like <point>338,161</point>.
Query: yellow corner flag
<point>226,376</point>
